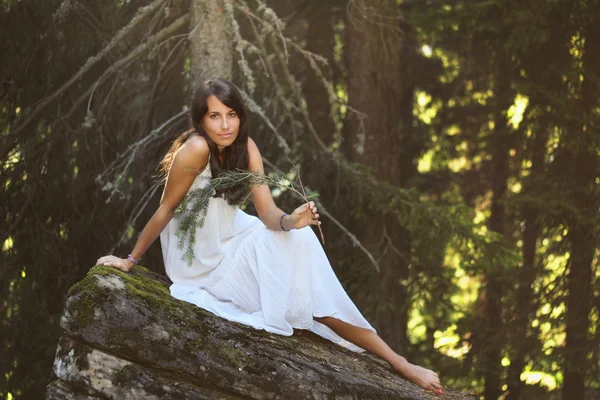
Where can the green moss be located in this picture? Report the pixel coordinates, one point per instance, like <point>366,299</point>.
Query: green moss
<point>138,286</point>
<point>149,297</point>
<point>199,342</point>
<point>87,296</point>
<point>135,278</point>
<point>233,356</point>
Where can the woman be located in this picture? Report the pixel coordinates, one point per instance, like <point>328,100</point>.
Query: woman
<point>270,273</point>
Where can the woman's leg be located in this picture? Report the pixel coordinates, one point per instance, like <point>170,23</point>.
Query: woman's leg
<point>372,343</point>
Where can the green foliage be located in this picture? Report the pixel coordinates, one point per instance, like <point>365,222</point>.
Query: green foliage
<point>483,42</point>
<point>191,212</point>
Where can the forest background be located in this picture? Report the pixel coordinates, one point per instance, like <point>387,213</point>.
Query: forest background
<point>454,143</point>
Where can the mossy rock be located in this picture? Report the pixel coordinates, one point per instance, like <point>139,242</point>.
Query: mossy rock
<point>149,336</point>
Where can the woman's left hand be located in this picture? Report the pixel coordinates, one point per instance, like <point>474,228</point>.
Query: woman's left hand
<point>123,264</point>
<point>303,216</point>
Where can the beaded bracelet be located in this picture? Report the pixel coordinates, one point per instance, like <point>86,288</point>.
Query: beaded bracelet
<point>133,260</point>
<point>281,222</point>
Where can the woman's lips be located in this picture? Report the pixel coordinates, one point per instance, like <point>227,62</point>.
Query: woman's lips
<point>226,135</point>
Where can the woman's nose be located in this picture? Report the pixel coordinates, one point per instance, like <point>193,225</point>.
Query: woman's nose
<point>224,124</point>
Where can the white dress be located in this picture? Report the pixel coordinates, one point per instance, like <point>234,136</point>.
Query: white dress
<point>244,272</point>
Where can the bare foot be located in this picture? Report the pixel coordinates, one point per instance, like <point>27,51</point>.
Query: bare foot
<point>425,378</point>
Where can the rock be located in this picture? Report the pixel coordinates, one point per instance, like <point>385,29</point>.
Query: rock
<point>127,338</point>
<point>59,390</point>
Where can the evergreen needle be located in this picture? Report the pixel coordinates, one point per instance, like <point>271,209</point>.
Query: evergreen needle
<point>191,212</point>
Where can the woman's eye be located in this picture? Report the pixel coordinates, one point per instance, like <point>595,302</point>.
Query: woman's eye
<point>232,114</point>
<point>214,116</point>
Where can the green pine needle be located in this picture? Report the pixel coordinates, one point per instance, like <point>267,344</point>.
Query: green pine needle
<point>191,212</point>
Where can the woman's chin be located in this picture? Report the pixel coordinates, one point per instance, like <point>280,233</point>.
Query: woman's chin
<point>225,142</point>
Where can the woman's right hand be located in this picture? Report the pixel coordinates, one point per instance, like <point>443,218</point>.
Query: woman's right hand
<point>123,264</point>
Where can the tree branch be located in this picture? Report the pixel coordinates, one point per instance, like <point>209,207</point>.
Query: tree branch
<point>141,14</point>
<point>141,49</point>
<point>128,156</point>
<point>326,213</point>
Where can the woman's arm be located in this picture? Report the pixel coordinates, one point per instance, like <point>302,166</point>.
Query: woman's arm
<point>268,212</point>
<point>192,155</point>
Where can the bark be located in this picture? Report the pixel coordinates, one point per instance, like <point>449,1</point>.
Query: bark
<point>376,139</point>
<point>374,87</point>
<point>581,148</point>
<point>578,310</point>
<point>127,338</point>
<point>320,40</point>
<point>411,142</point>
<point>492,299</point>
<point>527,274</point>
<point>211,44</point>
<point>551,78</point>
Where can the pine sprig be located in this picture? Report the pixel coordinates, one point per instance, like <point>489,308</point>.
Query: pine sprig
<point>191,212</point>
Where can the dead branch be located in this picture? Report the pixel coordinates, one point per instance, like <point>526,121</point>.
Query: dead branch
<point>128,156</point>
<point>326,213</point>
<point>271,74</point>
<point>337,157</point>
<point>141,14</point>
<point>137,211</point>
<point>252,106</point>
<point>301,102</point>
<point>141,49</point>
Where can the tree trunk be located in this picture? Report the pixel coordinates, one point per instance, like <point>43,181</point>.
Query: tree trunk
<point>374,87</point>
<point>578,310</point>
<point>552,78</point>
<point>211,45</point>
<point>320,40</point>
<point>581,147</point>
<point>376,139</point>
<point>528,273</point>
<point>491,341</point>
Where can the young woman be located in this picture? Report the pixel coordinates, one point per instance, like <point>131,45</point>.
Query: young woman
<point>268,272</point>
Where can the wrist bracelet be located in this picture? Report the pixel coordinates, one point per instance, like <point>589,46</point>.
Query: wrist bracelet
<point>133,260</point>
<point>281,223</point>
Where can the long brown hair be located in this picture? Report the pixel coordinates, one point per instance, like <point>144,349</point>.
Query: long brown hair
<point>235,156</point>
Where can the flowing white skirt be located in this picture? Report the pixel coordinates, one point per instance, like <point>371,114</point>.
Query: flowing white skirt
<point>244,272</point>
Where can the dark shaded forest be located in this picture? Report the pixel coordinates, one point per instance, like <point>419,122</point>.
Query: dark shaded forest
<point>454,144</point>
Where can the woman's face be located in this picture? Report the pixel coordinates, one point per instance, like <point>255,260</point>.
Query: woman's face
<point>220,123</point>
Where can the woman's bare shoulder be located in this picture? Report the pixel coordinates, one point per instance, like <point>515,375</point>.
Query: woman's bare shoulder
<point>193,153</point>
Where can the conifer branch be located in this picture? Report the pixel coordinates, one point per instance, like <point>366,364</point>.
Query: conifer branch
<point>191,212</point>
<point>353,238</point>
<point>116,40</point>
